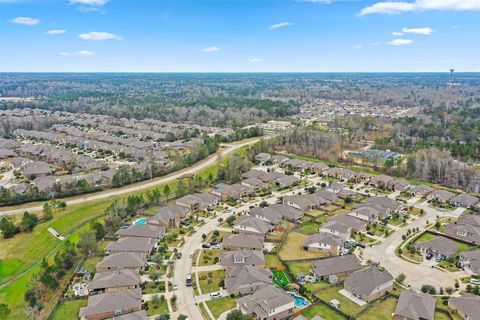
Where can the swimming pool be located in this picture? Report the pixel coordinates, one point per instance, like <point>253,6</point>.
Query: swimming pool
<point>140,221</point>
<point>300,302</point>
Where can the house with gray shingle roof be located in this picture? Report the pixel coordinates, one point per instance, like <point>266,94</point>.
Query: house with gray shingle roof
<point>262,157</point>
<point>336,228</point>
<point>414,306</point>
<point>467,306</point>
<point>464,200</point>
<point>242,257</point>
<point>142,231</point>
<point>380,181</point>
<point>441,195</point>
<point>369,284</point>
<point>255,184</point>
<point>325,242</point>
<point>338,266</point>
<point>398,185</point>
<point>45,183</point>
<point>197,201</point>
<point>467,228</point>
<point>36,169</point>
<point>122,260</point>
<point>246,279</point>
<point>242,241</point>
<point>131,244</point>
<point>110,304</point>
<point>169,216</point>
<point>470,262</point>
<point>268,303</point>
<point>114,281</point>
<point>439,247</point>
<point>253,173</point>
<point>139,315</point>
<point>420,190</point>
<point>354,223</point>
<point>252,225</point>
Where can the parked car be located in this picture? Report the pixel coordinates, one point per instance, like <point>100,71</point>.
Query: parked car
<point>206,246</point>
<point>179,255</point>
<point>439,259</point>
<point>191,255</point>
<point>370,233</point>
<point>188,280</point>
<point>429,256</point>
<point>361,245</point>
<point>475,281</point>
<point>175,286</point>
<point>215,295</point>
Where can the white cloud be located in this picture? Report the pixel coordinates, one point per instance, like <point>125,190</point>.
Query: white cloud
<point>397,33</point>
<point>280,25</point>
<point>84,53</point>
<point>56,31</point>
<point>26,21</point>
<point>64,54</point>
<point>255,60</point>
<point>358,46</point>
<point>95,35</point>
<point>210,49</point>
<point>401,42</point>
<point>426,31</point>
<point>89,2</point>
<point>394,7</point>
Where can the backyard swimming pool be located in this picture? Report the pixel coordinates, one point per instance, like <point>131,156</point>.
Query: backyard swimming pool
<point>140,221</point>
<point>300,302</point>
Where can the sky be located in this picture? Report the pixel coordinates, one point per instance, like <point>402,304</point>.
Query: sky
<point>239,35</point>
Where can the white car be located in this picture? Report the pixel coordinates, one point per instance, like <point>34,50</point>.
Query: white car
<point>475,281</point>
<point>215,295</point>
<point>175,286</point>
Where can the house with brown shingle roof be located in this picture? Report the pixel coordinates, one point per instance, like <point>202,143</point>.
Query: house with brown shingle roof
<point>114,281</point>
<point>131,244</point>
<point>369,284</point>
<point>252,225</point>
<point>338,266</point>
<point>122,260</point>
<point>246,279</point>
<point>242,241</point>
<point>414,306</point>
<point>467,306</point>
<point>110,304</point>
<point>243,257</point>
<point>325,242</point>
<point>269,303</point>
<point>142,231</point>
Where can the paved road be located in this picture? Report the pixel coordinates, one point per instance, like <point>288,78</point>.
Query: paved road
<point>147,184</point>
<point>417,274</point>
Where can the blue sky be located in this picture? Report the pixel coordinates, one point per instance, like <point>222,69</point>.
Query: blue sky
<point>239,35</point>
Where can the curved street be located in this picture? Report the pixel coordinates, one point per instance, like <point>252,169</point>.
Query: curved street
<point>210,160</point>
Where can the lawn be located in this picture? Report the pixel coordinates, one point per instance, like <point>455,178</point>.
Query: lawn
<point>381,311</point>
<point>90,263</point>
<point>346,305</point>
<point>413,256</point>
<point>293,248</point>
<point>272,261</point>
<point>299,267</point>
<point>316,213</point>
<point>157,309</point>
<point>425,237</point>
<point>210,281</point>
<point>450,266</point>
<point>69,309</point>
<point>322,219</point>
<point>309,228</point>
<point>362,238</point>
<point>220,305</point>
<point>323,311</point>
<point>314,286</point>
<point>207,257</point>
<point>378,229</point>
<point>280,278</point>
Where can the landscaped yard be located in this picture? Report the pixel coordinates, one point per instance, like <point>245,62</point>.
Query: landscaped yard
<point>425,237</point>
<point>346,305</point>
<point>272,261</point>
<point>157,306</point>
<point>381,311</point>
<point>293,248</point>
<point>210,281</point>
<point>362,238</point>
<point>220,305</point>
<point>69,309</point>
<point>314,286</point>
<point>378,229</point>
<point>323,311</point>
<point>309,228</point>
<point>315,213</point>
<point>280,278</point>
<point>449,265</point>
<point>208,256</point>
<point>90,263</point>
<point>299,267</point>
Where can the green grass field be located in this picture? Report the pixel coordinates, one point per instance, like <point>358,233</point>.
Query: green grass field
<point>323,311</point>
<point>220,305</point>
<point>280,278</point>
<point>69,309</point>
<point>382,311</point>
<point>212,284</point>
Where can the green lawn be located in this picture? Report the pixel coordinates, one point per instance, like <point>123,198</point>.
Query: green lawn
<point>425,237</point>
<point>309,227</point>
<point>220,305</point>
<point>69,309</point>
<point>321,219</point>
<point>91,262</point>
<point>323,311</point>
<point>299,267</point>
<point>211,284</point>
<point>382,311</point>
<point>272,261</point>
<point>207,258</point>
<point>346,305</point>
<point>314,286</point>
<point>153,310</point>
<point>362,238</point>
<point>280,278</point>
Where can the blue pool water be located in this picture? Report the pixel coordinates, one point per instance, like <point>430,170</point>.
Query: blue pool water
<point>300,302</point>
<point>140,221</point>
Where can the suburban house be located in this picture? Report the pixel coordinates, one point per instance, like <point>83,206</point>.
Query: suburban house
<point>114,281</point>
<point>286,181</point>
<point>304,202</point>
<point>122,260</point>
<point>197,201</point>
<point>270,216</point>
<point>438,247</point>
<point>268,303</point>
<point>246,279</point>
<point>470,262</point>
<point>420,190</point>
<point>36,169</point>
<point>255,184</point>
<point>252,225</point>
<point>325,242</point>
<point>318,167</point>
<point>262,157</point>
<point>274,213</point>
<point>142,231</point>
<point>463,200</point>
<point>336,187</point>
<point>441,195</point>
<point>44,183</point>
<point>398,185</point>
<point>131,244</point>
<point>368,213</point>
<point>354,223</point>
<point>234,191</point>
<point>414,306</point>
<point>380,181</point>
<point>336,228</point>
<point>467,228</point>
<point>168,217</point>
<point>112,304</point>
<point>242,241</point>
<point>369,284</point>
<point>467,306</point>
<point>335,266</point>
<point>385,202</point>
<point>253,174</point>
<point>243,257</point>
<point>362,177</point>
